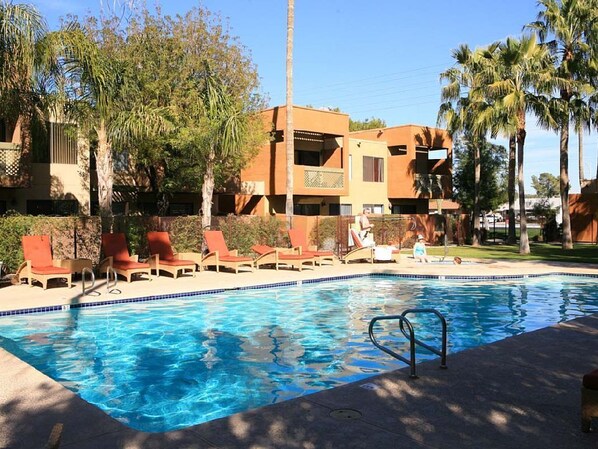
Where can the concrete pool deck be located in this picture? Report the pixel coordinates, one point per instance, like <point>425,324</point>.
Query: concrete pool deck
<point>520,392</point>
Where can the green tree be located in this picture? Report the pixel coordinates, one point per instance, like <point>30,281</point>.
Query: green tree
<point>26,63</point>
<point>368,123</point>
<point>525,69</point>
<point>546,185</point>
<point>565,26</point>
<point>493,179</point>
<point>462,105</point>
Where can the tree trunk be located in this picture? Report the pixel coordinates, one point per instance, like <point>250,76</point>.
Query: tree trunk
<point>476,240</point>
<point>564,186</point>
<point>512,237</point>
<point>580,151</point>
<point>523,237</point>
<point>207,191</point>
<point>104,170</point>
<point>24,179</point>
<point>290,132</point>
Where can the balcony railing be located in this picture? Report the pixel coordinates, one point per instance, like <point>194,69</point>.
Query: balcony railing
<point>433,186</point>
<point>10,159</point>
<point>323,178</point>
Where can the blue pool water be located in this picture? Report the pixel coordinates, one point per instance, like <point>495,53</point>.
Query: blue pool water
<point>164,365</point>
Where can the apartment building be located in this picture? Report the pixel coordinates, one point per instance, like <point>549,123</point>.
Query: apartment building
<point>336,172</point>
<point>394,170</point>
<point>53,180</point>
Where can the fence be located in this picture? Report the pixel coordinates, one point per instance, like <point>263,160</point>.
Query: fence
<point>79,237</point>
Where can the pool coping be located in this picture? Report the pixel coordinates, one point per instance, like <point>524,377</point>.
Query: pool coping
<point>65,307</point>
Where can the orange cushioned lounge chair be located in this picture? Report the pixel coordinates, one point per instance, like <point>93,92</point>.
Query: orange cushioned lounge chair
<point>164,259</point>
<point>299,242</point>
<point>219,255</point>
<point>39,265</point>
<point>117,256</point>
<point>278,256</point>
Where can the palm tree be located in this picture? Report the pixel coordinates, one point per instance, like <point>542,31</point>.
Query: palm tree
<point>23,57</point>
<point>226,125</point>
<point>569,23</point>
<point>461,104</point>
<point>524,70</point>
<point>289,131</point>
<point>99,94</point>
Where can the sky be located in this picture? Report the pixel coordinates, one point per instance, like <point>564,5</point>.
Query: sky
<point>380,58</point>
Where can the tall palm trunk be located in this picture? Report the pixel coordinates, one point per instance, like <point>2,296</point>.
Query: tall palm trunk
<point>512,238</point>
<point>290,132</point>
<point>104,168</point>
<point>24,121</point>
<point>207,190</point>
<point>523,237</point>
<point>580,153</point>
<point>476,194</point>
<point>564,186</point>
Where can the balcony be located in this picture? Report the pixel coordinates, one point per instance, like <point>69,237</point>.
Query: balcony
<point>11,169</point>
<point>321,177</point>
<point>433,186</point>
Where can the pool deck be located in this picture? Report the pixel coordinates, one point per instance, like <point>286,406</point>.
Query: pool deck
<point>523,391</point>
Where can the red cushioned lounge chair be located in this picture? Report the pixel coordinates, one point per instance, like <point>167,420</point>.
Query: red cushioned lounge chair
<point>219,255</point>
<point>164,259</point>
<point>277,256</point>
<point>39,265</point>
<point>117,256</point>
<point>299,243</point>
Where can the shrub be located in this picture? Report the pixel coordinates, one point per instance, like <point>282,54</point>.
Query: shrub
<point>324,233</point>
<point>12,228</point>
<point>186,234</point>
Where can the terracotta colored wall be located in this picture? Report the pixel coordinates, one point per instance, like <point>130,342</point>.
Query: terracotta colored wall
<point>270,163</point>
<point>584,217</point>
<point>401,168</point>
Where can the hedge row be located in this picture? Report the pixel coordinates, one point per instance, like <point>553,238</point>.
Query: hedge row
<point>79,237</point>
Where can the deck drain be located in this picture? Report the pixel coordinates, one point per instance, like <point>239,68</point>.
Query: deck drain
<point>345,414</point>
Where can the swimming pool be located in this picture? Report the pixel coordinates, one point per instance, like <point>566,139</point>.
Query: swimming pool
<point>169,364</point>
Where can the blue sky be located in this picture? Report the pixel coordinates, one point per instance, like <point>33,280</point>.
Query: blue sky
<point>371,59</point>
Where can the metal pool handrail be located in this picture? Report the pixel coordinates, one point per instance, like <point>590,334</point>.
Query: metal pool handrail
<point>410,334</point>
<point>93,280</point>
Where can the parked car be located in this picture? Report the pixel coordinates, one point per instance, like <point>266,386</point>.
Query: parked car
<point>491,218</point>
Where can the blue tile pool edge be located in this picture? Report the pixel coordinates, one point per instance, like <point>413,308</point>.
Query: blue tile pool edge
<point>62,307</point>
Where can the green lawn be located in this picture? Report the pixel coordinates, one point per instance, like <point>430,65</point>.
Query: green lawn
<point>539,251</point>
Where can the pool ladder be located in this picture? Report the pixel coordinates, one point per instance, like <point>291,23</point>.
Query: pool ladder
<point>110,283</point>
<point>410,334</point>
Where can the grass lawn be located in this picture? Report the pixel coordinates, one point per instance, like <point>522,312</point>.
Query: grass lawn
<point>583,253</point>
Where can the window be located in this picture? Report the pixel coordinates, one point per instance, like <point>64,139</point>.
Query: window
<point>373,169</point>
<point>437,153</point>
<point>406,209</point>
<point>54,143</point>
<point>375,208</point>
<point>311,158</point>
<point>306,209</point>
<point>398,150</point>
<point>53,207</point>
<point>340,209</point>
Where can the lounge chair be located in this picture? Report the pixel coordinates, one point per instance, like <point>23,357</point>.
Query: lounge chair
<point>39,265</point>
<point>163,257</point>
<point>299,243</point>
<point>118,258</point>
<point>277,256</point>
<point>219,255</point>
<point>378,251</point>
